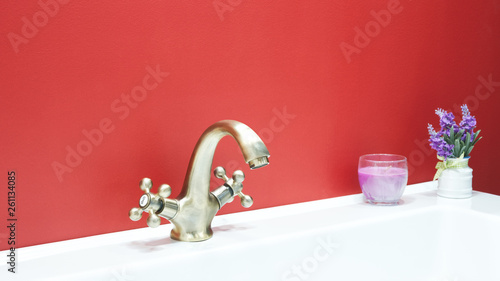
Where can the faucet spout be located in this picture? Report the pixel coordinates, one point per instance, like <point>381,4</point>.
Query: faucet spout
<point>255,153</point>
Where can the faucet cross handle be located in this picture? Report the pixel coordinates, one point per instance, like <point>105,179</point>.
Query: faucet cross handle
<point>235,183</point>
<point>150,203</point>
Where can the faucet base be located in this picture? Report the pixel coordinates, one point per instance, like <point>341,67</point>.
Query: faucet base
<point>191,236</point>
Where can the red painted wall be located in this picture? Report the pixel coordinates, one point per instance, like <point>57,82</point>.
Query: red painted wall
<point>130,86</point>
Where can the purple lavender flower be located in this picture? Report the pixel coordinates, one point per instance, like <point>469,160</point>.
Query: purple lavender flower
<point>468,122</point>
<point>444,142</point>
<point>446,121</point>
<point>431,130</point>
<point>439,144</point>
<point>447,150</point>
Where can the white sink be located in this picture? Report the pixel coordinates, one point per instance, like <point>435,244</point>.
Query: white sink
<point>424,238</point>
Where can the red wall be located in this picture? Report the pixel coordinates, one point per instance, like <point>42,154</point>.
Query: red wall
<point>319,88</point>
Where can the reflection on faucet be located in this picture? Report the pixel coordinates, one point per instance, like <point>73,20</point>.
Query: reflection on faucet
<point>193,210</point>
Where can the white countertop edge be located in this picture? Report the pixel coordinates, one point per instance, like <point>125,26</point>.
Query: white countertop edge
<point>55,248</point>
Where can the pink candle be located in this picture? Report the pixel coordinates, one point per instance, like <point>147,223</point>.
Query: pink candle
<point>382,185</point>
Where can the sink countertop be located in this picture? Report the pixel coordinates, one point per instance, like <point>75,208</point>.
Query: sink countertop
<point>110,254</point>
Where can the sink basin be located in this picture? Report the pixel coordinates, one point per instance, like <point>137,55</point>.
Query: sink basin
<point>424,238</point>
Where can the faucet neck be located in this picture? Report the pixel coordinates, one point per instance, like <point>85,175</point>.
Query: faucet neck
<point>197,181</point>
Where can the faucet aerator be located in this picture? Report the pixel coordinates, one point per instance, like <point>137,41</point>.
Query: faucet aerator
<point>258,162</point>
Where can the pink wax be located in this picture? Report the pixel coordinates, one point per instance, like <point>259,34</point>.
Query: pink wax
<point>383,185</point>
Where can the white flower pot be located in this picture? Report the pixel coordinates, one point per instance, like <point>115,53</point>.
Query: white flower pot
<point>456,182</point>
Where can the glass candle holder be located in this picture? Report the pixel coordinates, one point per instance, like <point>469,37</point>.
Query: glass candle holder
<point>383,178</point>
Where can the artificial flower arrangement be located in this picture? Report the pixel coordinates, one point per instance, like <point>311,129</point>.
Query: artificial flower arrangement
<point>453,141</point>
